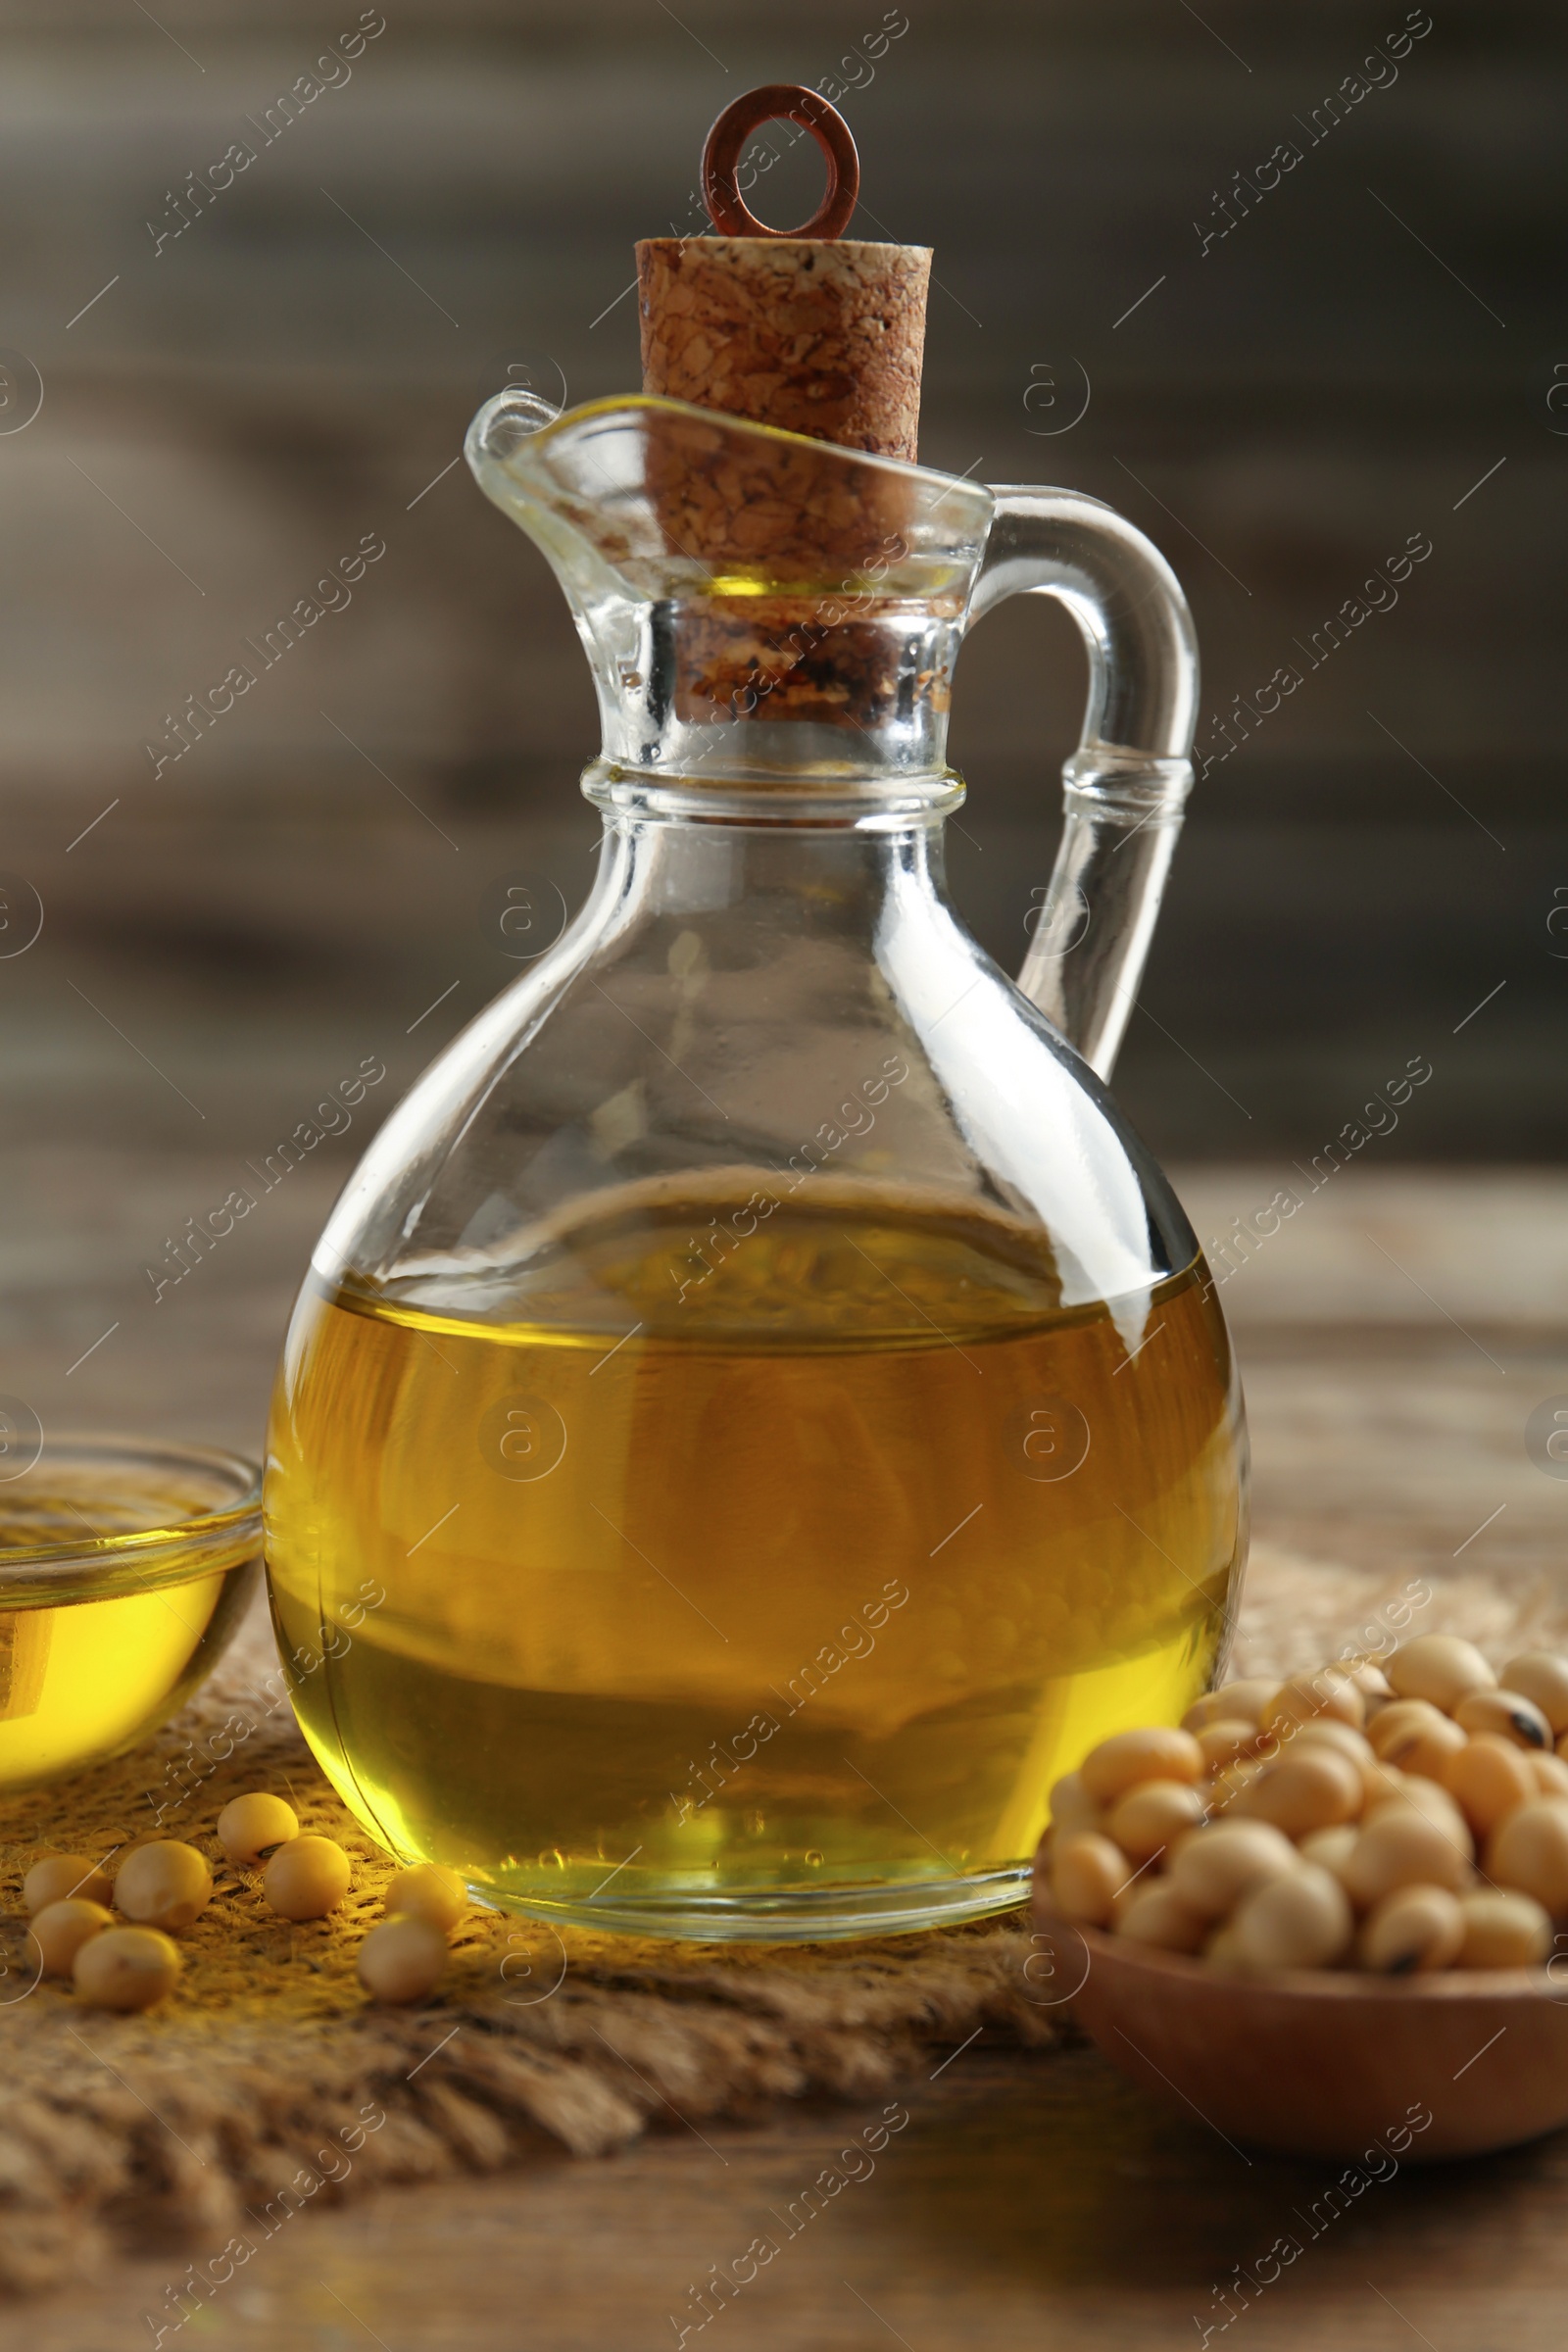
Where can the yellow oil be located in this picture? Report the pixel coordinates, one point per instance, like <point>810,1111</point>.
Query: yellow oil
<point>770,1604</point>
<point>87,1669</point>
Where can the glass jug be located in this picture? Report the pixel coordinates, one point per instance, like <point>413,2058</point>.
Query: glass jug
<point>757,1416</point>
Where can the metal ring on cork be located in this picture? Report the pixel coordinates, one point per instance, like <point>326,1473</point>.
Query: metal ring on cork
<point>780,102</point>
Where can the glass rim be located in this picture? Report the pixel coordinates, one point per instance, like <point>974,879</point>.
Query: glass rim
<point>200,1528</point>
<point>562,427</point>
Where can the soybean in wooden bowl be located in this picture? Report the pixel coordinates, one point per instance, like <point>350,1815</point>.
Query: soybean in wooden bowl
<point>1326,1912</point>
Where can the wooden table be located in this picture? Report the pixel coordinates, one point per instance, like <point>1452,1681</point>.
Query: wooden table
<point>1394,1340</point>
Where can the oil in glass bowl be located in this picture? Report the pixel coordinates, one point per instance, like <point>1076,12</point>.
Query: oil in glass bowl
<point>125,1569</point>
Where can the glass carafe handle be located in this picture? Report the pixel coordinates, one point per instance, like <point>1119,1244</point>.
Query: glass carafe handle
<point>1127,782</point>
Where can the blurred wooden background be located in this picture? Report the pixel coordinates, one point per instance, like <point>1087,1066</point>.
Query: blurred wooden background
<point>226,412</point>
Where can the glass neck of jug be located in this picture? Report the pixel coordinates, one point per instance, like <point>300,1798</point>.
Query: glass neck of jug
<point>772,624</point>
<point>757,893</point>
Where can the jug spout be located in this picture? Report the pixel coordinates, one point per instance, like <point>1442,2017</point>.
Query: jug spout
<point>760,610</point>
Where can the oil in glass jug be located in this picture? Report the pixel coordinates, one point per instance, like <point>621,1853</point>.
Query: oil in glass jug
<point>780,1406</point>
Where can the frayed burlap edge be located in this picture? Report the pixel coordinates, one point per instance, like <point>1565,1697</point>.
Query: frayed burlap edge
<point>266,2086</point>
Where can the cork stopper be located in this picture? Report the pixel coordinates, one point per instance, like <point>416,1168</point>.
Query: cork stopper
<point>796,329</point>
<point>818,337</point>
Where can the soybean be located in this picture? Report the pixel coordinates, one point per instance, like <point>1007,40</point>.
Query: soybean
<point>1153,1753</point>
<point>127,1968</point>
<point>430,1893</point>
<point>307,1878</point>
<point>1305,1697</point>
<point>164,1884</point>
<point>1157,1916</point>
<point>1227,1738</point>
<point>1227,1785</point>
<point>402,1960</point>
<point>1072,1808</point>
<point>1551,1774</point>
<point>1086,1873</point>
<point>1541,1674</point>
<point>1502,1930</point>
<point>1233,1701</point>
<point>1400,1846</point>
<point>1440,1667</point>
<point>1415,1736</point>
<point>1373,1684</point>
<point>60,1930</point>
<point>1310,1787</point>
<point>1300,1920</point>
<point>59,1876</point>
<point>1411,1931</point>
<point>1491,1778</point>
<point>1420,1795</point>
<point>1381,1782</point>
<point>1402,1716</point>
<point>1219,1865</point>
<point>250,1827</point>
<point>1327,1731</point>
<point>1529,1852</point>
<point>1152,1816</point>
<point>1332,1849</point>
<point>1509,1714</point>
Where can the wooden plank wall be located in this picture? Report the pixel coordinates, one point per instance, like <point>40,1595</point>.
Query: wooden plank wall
<point>228,410</point>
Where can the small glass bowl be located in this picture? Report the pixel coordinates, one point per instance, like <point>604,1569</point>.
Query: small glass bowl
<point>125,1569</point>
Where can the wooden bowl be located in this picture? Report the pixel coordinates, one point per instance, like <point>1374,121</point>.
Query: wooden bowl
<point>1323,2062</point>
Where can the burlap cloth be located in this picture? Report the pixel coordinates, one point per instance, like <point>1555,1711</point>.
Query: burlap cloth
<point>266,2085</point>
